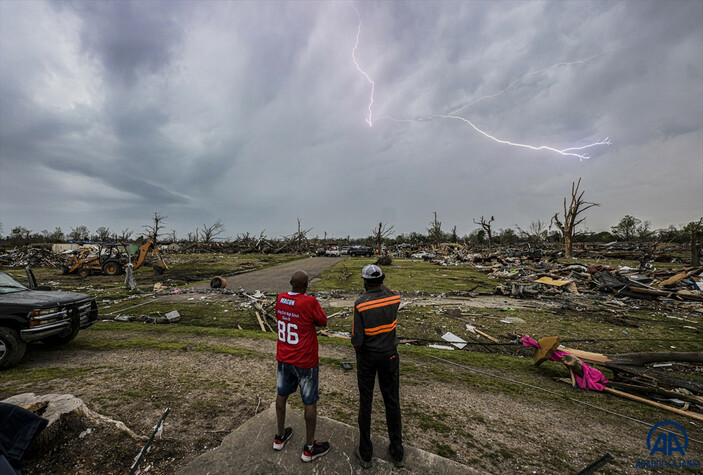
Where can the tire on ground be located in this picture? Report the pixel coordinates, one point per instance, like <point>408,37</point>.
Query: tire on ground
<point>112,268</point>
<point>12,348</point>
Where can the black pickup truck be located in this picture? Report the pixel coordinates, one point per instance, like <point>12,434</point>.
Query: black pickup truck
<point>29,314</point>
<point>360,251</point>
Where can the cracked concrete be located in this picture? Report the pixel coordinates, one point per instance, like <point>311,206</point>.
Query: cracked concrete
<point>249,450</point>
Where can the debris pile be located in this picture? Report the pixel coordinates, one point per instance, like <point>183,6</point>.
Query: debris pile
<point>684,284</point>
<point>648,378</point>
<point>31,256</point>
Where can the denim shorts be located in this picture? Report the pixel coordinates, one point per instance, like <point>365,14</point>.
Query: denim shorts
<point>289,377</point>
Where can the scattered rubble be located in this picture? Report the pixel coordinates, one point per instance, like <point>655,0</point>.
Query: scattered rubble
<point>31,256</point>
<point>635,372</point>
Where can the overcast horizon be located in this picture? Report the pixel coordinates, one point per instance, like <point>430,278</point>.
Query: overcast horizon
<point>255,113</point>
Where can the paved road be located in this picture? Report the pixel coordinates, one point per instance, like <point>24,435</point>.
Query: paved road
<point>277,278</point>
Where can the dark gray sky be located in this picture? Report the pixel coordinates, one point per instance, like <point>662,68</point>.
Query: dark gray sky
<point>256,113</point>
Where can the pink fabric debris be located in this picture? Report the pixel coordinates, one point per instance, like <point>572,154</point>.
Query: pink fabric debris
<point>592,378</point>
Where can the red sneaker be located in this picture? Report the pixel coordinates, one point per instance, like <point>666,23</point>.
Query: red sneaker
<point>280,440</point>
<point>318,450</point>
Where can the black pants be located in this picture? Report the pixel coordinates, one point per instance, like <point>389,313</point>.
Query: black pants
<point>387,367</point>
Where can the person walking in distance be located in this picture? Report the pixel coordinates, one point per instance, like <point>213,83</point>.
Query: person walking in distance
<point>297,315</point>
<point>375,342</point>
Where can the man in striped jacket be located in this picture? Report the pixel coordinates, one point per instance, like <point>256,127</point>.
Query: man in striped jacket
<point>375,342</point>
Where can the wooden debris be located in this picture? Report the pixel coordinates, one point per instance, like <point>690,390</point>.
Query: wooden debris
<point>261,323</point>
<point>547,346</point>
<point>673,280</point>
<point>649,402</point>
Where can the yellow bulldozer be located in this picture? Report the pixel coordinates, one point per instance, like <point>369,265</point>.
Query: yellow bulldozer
<point>110,258</point>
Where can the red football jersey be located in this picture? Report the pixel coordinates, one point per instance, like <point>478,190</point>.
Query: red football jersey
<point>297,315</point>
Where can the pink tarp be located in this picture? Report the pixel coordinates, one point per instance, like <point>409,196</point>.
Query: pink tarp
<point>592,378</point>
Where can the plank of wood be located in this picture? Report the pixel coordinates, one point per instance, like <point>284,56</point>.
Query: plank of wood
<point>588,357</point>
<point>673,279</point>
<point>625,395</point>
<point>648,390</point>
<point>332,335</point>
<point>261,324</point>
<point>494,340</point>
<point>646,291</point>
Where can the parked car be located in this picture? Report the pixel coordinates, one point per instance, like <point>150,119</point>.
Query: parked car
<point>360,251</point>
<point>422,255</point>
<point>30,314</point>
<point>333,252</point>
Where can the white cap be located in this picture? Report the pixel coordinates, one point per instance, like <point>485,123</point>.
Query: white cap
<point>371,271</point>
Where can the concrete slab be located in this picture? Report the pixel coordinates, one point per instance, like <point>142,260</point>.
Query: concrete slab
<point>249,450</point>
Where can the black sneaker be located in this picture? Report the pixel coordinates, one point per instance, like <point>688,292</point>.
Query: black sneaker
<point>318,450</point>
<point>364,464</point>
<point>398,463</point>
<point>280,441</point>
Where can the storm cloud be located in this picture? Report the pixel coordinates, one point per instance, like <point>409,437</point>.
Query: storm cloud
<point>254,112</point>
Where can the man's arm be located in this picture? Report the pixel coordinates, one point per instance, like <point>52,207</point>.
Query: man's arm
<point>357,338</point>
<point>319,317</point>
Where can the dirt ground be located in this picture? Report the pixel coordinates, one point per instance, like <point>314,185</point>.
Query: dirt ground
<point>210,393</point>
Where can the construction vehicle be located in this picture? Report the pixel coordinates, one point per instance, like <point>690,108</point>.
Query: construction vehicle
<point>110,258</point>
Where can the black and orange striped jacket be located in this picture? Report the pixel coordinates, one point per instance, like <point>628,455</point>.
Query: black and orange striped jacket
<point>375,319</point>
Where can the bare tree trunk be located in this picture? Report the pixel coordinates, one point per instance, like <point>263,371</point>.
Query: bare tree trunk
<point>486,225</point>
<point>695,249</point>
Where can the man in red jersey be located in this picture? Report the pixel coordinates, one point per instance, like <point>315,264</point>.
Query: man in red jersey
<point>298,362</point>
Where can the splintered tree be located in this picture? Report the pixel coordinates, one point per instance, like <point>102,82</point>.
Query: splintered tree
<point>295,241</point>
<point>575,208</point>
<point>537,233</point>
<point>486,225</point>
<point>379,234</point>
<point>434,232</point>
<point>209,233</point>
<point>152,230</point>
<point>695,230</point>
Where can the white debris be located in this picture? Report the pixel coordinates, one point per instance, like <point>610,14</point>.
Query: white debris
<point>454,340</point>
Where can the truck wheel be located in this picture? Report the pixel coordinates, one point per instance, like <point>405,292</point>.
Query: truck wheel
<point>84,272</point>
<point>112,268</point>
<point>12,349</point>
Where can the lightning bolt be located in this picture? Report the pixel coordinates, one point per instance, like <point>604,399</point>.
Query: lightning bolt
<point>356,63</point>
<point>567,152</point>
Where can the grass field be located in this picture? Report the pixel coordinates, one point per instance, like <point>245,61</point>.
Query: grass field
<point>210,328</point>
